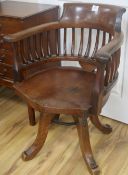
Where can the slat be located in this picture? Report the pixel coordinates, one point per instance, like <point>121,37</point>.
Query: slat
<point>116,62</point>
<point>32,49</point>
<point>25,46</point>
<point>118,58</point>
<point>115,68</point>
<point>114,65</point>
<point>35,47</point>
<point>96,43</point>
<point>87,52</point>
<point>57,42</point>
<point>110,38</point>
<point>38,46</point>
<point>65,36</point>
<point>45,44</point>
<point>81,42</point>
<point>73,42</point>
<point>41,44</point>
<point>18,61</point>
<point>18,51</point>
<point>22,51</point>
<point>29,49</point>
<point>104,39</point>
<point>108,74</point>
<point>112,69</point>
<point>48,43</point>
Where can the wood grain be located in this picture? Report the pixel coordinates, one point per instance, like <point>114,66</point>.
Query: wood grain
<point>61,153</point>
<point>15,17</point>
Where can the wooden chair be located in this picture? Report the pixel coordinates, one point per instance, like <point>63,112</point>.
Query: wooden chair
<point>87,33</point>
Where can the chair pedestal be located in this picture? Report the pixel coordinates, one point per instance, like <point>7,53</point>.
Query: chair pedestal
<point>83,134</point>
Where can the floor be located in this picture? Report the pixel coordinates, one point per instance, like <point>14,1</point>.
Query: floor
<point>61,153</point>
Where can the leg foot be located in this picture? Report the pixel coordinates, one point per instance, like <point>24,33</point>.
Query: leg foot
<point>106,129</point>
<point>44,122</point>
<point>31,114</point>
<point>85,146</point>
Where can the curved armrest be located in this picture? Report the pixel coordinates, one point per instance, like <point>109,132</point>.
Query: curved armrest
<point>104,54</point>
<point>31,31</point>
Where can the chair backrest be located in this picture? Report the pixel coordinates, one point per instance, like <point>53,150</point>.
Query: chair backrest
<point>87,27</point>
<point>82,29</point>
<point>97,16</point>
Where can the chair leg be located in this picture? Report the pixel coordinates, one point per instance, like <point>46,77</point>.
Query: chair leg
<point>44,122</point>
<point>31,114</point>
<point>106,129</point>
<point>85,146</point>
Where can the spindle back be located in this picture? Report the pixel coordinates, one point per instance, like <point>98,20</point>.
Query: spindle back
<point>97,16</point>
<point>82,30</point>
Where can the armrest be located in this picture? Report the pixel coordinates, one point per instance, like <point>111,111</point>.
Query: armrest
<point>31,31</point>
<point>104,54</point>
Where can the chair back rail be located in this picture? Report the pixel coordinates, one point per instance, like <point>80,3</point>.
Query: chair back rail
<point>70,42</point>
<point>81,31</point>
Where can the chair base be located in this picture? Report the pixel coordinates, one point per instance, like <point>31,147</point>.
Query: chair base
<point>57,121</point>
<point>83,133</point>
<point>106,129</point>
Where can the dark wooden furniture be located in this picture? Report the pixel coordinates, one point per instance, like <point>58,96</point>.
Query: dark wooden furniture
<point>14,17</point>
<point>81,92</point>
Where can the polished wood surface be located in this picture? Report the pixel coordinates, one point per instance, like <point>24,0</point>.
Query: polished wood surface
<point>61,153</point>
<point>81,92</point>
<point>22,10</point>
<point>59,94</point>
<point>15,17</point>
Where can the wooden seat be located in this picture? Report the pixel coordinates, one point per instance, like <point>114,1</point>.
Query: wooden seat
<point>59,90</point>
<point>89,34</point>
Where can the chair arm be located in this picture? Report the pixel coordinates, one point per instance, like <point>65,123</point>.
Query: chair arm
<point>30,32</point>
<point>105,53</point>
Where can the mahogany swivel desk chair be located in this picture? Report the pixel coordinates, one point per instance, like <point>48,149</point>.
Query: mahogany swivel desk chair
<point>80,92</point>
